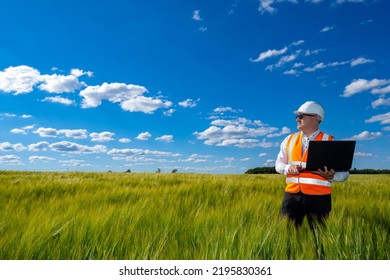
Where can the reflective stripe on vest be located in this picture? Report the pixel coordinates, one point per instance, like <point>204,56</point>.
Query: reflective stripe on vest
<point>309,181</point>
<point>326,137</point>
<point>305,182</point>
<point>292,139</point>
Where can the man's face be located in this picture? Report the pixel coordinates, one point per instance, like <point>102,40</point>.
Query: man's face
<point>306,121</point>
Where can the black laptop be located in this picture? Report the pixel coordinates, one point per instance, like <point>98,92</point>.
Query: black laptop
<point>337,155</point>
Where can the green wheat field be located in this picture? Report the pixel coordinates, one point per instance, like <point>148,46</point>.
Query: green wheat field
<point>157,216</point>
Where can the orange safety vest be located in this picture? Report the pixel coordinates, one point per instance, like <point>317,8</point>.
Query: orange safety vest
<point>306,182</point>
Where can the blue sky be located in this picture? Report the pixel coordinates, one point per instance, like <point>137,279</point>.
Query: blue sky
<point>197,86</point>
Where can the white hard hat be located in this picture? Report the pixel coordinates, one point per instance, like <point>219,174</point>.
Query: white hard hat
<point>311,107</point>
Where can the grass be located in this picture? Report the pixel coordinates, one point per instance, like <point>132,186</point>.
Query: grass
<point>70,215</point>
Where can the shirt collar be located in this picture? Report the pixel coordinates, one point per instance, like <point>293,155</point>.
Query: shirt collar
<point>313,135</point>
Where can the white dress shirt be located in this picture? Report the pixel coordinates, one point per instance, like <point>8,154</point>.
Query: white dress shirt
<point>282,165</point>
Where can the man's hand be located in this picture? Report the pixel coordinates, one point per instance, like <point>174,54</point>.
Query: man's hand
<point>327,174</point>
<point>294,169</point>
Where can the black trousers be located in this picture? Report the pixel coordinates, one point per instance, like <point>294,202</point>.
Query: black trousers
<point>298,205</point>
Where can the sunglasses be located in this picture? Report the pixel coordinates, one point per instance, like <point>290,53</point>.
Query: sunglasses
<point>300,116</point>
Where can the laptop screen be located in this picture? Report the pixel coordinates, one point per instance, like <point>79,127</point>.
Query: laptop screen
<point>337,155</point>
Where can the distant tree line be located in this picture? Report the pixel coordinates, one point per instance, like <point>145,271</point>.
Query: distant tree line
<point>271,170</point>
<point>261,170</point>
<point>157,171</point>
<point>369,171</point>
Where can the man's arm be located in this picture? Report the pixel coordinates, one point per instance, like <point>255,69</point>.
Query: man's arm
<point>281,165</point>
<point>340,176</point>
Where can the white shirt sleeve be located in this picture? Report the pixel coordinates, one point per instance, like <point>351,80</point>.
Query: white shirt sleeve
<point>340,176</point>
<point>281,165</point>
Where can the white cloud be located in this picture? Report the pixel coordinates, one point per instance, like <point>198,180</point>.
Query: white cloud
<point>113,92</point>
<point>327,28</point>
<point>165,138</point>
<point>22,79</point>
<point>189,103</point>
<point>382,118</point>
<point>196,158</point>
<point>365,135</point>
<point>7,146</point>
<point>297,43</point>
<point>34,159</point>
<point>384,90</point>
<point>105,136</point>
<point>74,133</point>
<point>7,115</point>
<point>140,152</point>
<point>71,147</point>
<point>361,60</point>
<point>361,85</point>
<point>144,136</point>
<point>265,144</point>
<point>337,63</point>
<point>28,127</point>
<point>70,133</point>
<point>350,1</point>
<point>268,5</point>
<point>282,61</point>
<point>59,99</point>
<point>320,65</point>
<point>262,154</point>
<point>74,162</point>
<point>19,79</point>
<point>222,110</point>
<point>18,131</point>
<point>366,21</point>
<point>285,59</point>
<point>144,104</point>
<point>220,122</point>
<point>241,134</point>
<point>361,155</point>
<point>298,65</point>
<point>269,162</point>
<point>59,83</point>
<point>40,146</point>
<point>196,15</point>
<point>169,112</point>
<point>46,132</point>
<point>124,140</point>
<point>22,130</point>
<point>265,6</point>
<point>313,52</point>
<point>380,102</point>
<point>270,53</point>
<point>284,131</point>
<point>235,122</point>
<point>11,160</point>
<point>78,73</point>
<point>291,72</point>
<point>240,143</point>
<point>129,96</point>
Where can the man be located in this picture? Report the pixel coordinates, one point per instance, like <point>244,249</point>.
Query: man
<point>307,193</point>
